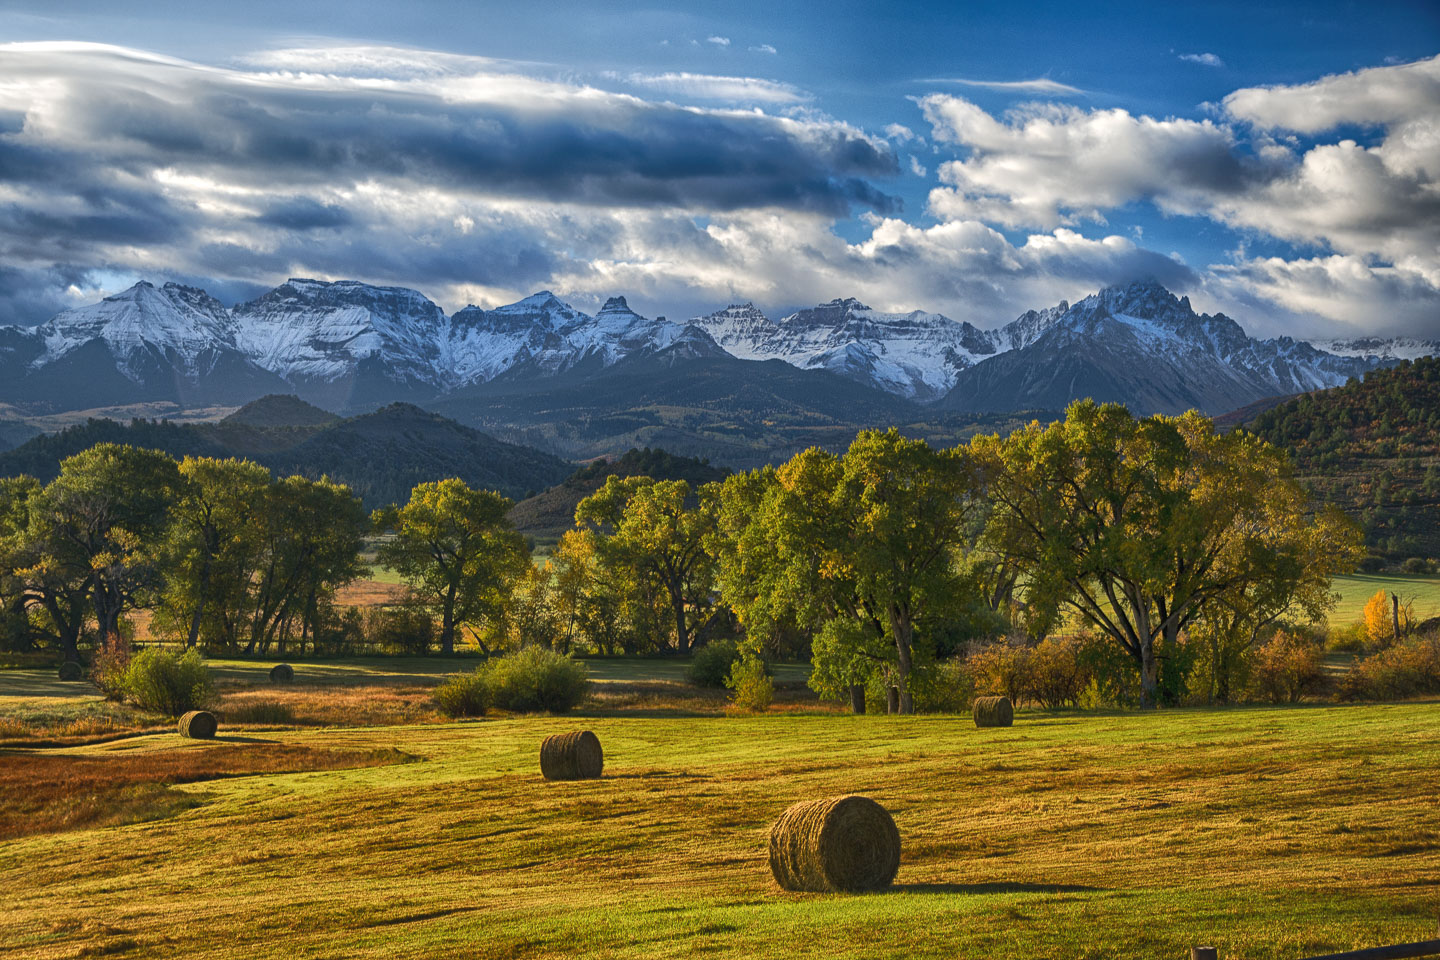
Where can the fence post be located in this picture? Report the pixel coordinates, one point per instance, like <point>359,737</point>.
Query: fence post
<point>1204,953</point>
<point>857,698</point>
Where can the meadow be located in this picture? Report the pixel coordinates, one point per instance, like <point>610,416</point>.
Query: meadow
<point>1270,832</point>
<point>1355,589</point>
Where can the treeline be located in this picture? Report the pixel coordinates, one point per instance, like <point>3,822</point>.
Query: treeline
<point>1178,547</point>
<point>1371,448</point>
<point>1181,548</point>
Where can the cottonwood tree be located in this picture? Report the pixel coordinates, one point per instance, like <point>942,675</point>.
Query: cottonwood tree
<point>213,548</point>
<point>310,534</point>
<point>1142,525</point>
<point>455,548</point>
<point>865,548</point>
<point>101,520</point>
<point>31,578</point>
<point>652,529</point>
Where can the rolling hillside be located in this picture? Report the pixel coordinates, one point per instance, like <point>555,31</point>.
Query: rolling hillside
<point>1372,447</point>
<point>380,455</point>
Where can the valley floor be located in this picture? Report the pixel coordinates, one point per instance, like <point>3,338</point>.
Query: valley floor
<point>1271,833</point>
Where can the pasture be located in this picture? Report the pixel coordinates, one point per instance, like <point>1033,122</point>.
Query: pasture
<point>1357,588</point>
<point>1271,832</point>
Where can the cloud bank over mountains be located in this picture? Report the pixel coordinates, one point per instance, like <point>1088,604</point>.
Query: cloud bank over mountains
<point>483,179</point>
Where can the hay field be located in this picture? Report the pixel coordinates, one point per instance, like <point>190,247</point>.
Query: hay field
<point>1357,588</point>
<point>1273,833</point>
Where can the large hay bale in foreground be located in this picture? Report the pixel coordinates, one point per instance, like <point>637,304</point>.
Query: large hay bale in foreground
<point>198,725</point>
<point>572,756</point>
<point>993,712</point>
<point>838,844</point>
<point>70,671</point>
<point>282,673</point>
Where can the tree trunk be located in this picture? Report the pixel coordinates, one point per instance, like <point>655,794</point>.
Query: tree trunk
<point>857,698</point>
<point>682,633</point>
<point>447,622</point>
<point>1395,615</point>
<point>892,699</point>
<point>904,631</point>
<point>195,619</point>
<point>1149,673</point>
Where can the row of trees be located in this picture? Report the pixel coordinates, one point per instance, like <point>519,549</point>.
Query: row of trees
<point>875,562</point>
<point>894,553</point>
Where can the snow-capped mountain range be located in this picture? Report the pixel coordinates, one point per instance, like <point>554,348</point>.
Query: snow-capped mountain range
<point>347,344</point>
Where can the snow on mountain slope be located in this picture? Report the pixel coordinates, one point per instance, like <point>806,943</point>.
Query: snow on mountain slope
<point>352,344</point>
<point>317,330</point>
<point>142,324</point>
<point>1394,348</point>
<point>915,355</point>
<point>1140,345</point>
<point>482,344</point>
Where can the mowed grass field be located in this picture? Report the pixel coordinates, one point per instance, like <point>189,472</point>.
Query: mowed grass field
<point>1271,833</point>
<point>1356,589</point>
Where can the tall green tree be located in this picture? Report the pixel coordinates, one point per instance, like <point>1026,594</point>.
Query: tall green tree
<point>311,533</point>
<point>213,548</point>
<point>455,548</point>
<point>1138,525</point>
<point>867,549</point>
<point>657,530</point>
<point>102,519</point>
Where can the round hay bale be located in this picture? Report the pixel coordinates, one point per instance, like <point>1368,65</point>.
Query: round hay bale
<point>70,670</point>
<point>839,844</point>
<point>993,712</point>
<point>198,725</point>
<point>282,673</point>
<point>572,756</point>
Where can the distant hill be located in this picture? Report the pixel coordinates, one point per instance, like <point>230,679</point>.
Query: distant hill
<point>547,515</point>
<point>1247,414</point>
<point>380,455</point>
<point>1372,447</point>
<point>281,410</point>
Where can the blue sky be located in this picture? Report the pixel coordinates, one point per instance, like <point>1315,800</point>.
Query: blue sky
<point>1276,161</point>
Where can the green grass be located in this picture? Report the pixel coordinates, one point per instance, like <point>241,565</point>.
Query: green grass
<point>1271,833</point>
<point>1356,589</point>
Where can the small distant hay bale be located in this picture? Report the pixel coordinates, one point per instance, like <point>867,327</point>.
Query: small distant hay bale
<point>198,725</point>
<point>282,673</point>
<point>993,712</point>
<point>70,671</point>
<point>844,844</point>
<point>572,756</point>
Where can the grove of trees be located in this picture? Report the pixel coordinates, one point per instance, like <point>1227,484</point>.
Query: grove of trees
<point>1170,543</point>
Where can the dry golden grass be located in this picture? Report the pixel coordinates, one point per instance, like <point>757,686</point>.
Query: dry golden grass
<point>52,792</point>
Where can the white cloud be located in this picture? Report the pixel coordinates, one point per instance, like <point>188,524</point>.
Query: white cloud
<point>709,87</point>
<point>1047,165</point>
<point>718,41</point>
<point>1379,96</point>
<point>1204,59</point>
<point>917,168</point>
<point>1352,296</point>
<point>764,48</point>
<point>899,133</point>
<point>1042,86</point>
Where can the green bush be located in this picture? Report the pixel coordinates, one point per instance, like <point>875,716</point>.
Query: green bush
<point>1350,638</point>
<point>751,687</point>
<point>534,680</point>
<point>168,682</point>
<point>463,695</point>
<point>711,663</point>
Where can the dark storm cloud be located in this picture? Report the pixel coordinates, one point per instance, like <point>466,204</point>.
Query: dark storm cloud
<point>302,213</point>
<point>504,137</point>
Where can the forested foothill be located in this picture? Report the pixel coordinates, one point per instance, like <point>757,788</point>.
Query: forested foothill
<point>1097,561</point>
<point>1372,448</point>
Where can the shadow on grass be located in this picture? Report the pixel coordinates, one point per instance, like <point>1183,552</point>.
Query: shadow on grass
<point>983,888</point>
<point>233,739</point>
